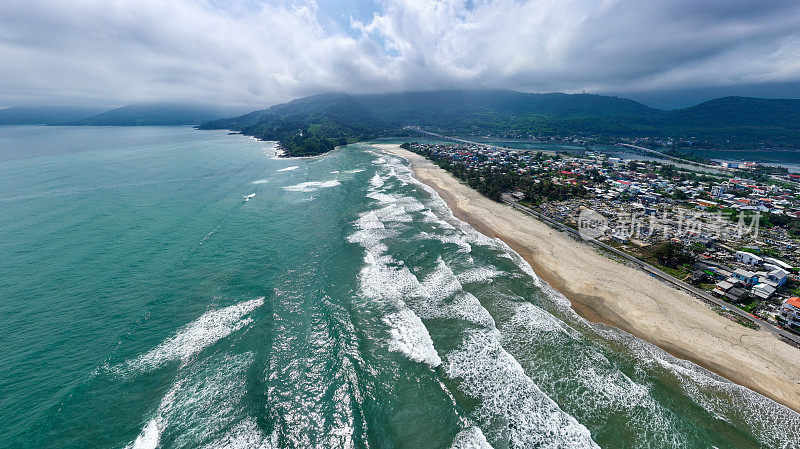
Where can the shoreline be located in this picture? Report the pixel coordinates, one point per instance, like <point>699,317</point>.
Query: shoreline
<point>602,290</point>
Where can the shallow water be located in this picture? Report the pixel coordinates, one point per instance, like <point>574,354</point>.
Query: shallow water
<point>146,304</point>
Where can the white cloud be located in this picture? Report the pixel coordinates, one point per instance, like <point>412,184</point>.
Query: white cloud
<point>249,52</point>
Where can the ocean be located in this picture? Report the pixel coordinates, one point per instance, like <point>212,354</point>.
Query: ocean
<point>149,300</point>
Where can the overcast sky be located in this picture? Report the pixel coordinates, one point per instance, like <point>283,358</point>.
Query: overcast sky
<point>256,53</point>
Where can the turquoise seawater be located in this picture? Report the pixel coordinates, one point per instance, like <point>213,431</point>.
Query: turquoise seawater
<point>145,304</point>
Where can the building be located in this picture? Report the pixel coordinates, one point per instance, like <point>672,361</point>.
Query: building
<point>779,263</point>
<point>749,258</point>
<point>717,191</point>
<point>722,287</point>
<point>790,311</point>
<point>778,276</point>
<point>763,291</point>
<point>737,294</point>
<point>706,204</point>
<point>747,277</point>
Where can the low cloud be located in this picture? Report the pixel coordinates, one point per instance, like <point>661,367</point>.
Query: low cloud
<point>256,53</point>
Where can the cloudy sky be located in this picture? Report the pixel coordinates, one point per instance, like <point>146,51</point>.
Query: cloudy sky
<point>259,52</point>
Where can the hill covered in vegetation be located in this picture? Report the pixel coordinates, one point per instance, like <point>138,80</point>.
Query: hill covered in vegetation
<point>307,126</point>
<point>45,115</point>
<point>316,124</point>
<point>155,115</point>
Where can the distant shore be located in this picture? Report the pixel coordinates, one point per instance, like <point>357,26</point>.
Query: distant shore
<point>605,291</point>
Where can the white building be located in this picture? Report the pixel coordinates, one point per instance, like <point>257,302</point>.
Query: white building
<point>763,291</point>
<point>749,258</point>
<point>779,263</point>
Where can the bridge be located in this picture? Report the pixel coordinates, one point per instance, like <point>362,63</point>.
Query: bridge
<point>457,140</point>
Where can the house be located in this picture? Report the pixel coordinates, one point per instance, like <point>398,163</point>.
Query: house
<point>723,287</point>
<point>763,291</point>
<point>778,276</point>
<point>747,277</point>
<point>736,294</point>
<point>749,258</point>
<point>790,311</point>
<point>717,191</point>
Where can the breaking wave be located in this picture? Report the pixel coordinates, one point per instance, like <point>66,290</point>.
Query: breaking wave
<point>311,186</point>
<point>200,405</point>
<point>293,167</point>
<point>192,338</point>
<point>511,407</point>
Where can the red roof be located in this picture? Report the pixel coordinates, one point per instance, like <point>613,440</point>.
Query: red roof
<point>794,301</point>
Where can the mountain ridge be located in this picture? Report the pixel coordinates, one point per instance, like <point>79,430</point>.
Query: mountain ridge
<point>335,118</point>
<point>155,114</point>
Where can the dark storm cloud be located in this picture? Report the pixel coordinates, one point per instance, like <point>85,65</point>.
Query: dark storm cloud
<point>253,52</point>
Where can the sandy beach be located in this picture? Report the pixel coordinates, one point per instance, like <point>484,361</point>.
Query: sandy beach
<point>605,291</point>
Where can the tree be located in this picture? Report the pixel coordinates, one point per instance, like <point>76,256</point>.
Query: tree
<point>672,255</point>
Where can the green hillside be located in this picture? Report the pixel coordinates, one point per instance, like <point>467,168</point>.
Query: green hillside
<point>155,115</point>
<point>307,126</point>
<point>316,124</point>
<point>44,115</point>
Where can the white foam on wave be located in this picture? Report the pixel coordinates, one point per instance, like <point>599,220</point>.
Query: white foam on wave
<point>410,337</point>
<point>376,181</point>
<point>293,167</point>
<point>148,438</point>
<point>384,278</point>
<point>593,384</point>
<point>485,273</point>
<point>442,283</point>
<point>511,407</point>
<point>380,280</point>
<point>200,404</point>
<point>470,438</point>
<point>193,338</point>
<point>445,298</point>
<point>262,181</point>
<point>311,186</point>
<point>775,425</point>
<point>245,435</point>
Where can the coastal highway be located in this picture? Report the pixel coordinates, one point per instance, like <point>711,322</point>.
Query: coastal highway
<point>655,272</point>
<point>468,142</point>
<point>713,168</point>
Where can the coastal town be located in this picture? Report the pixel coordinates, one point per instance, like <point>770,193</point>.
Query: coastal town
<point>732,231</point>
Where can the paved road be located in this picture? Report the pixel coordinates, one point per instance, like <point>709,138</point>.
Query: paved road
<point>455,139</point>
<point>655,272</point>
<point>707,167</point>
